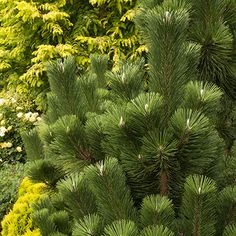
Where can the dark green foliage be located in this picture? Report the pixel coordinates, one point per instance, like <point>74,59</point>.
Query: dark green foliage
<point>157,210</point>
<point>156,230</point>
<point>74,190</point>
<point>226,203</point>
<point>50,219</point>
<point>34,150</point>
<point>127,82</point>
<point>215,39</point>
<point>10,178</point>
<point>125,157</point>
<point>167,70</point>
<point>198,208</point>
<point>230,230</point>
<point>63,98</point>
<point>228,163</point>
<point>203,97</point>
<point>112,197</point>
<point>90,224</point>
<point>214,30</point>
<point>122,227</point>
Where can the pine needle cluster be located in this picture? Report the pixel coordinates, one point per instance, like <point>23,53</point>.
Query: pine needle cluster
<point>123,154</point>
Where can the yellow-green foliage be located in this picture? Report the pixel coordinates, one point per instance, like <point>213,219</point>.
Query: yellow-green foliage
<point>18,221</point>
<point>34,31</point>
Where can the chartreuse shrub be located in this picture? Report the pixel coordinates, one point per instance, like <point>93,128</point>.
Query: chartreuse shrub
<point>18,221</point>
<point>123,157</point>
<point>32,32</point>
<point>16,115</point>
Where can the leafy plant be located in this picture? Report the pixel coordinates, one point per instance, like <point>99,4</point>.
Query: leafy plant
<point>10,178</point>
<point>33,32</point>
<point>15,116</point>
<point>18,221</point>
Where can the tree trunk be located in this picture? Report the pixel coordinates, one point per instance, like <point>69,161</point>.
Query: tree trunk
<point>164,190</point>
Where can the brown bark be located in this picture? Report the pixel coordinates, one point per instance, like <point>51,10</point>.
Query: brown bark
<point>86,155</point>
<point>164,189</point>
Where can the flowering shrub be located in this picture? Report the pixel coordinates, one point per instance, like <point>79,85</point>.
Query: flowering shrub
<point>15,115</point>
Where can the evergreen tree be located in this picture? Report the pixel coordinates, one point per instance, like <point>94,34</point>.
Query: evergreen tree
<point>212,27</point>
<point>125,156</point>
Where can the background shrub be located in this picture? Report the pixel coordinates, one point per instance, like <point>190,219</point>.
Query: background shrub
<point>10,176</point>
<point>16,115</point>
<point>33,32</point>
<point>18,221</point>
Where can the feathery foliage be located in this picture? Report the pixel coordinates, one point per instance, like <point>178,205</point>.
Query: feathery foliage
<point>33,32</point>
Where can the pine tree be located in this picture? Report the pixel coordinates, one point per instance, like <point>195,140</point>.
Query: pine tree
<point>214,31</point>
<point>125,155</point>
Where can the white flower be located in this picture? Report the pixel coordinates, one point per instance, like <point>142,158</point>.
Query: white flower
<point>3,130</point>
<point>32,119</point>
<point>9,144</point>
<point>6,145</point>
<point>2,101</point>
<point>13,100</point>
<point>28,115</point>
<point>19,115</point>
<point>19,149</point>
<point>35,114</point>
